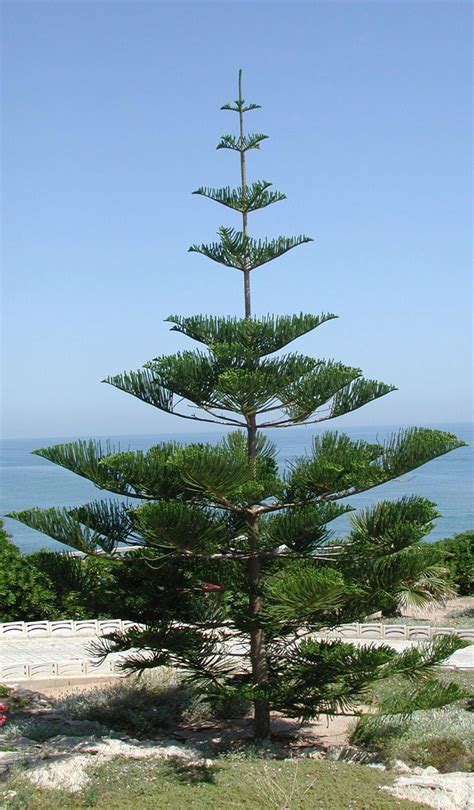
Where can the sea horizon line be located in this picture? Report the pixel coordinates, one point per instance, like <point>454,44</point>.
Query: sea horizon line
<point>223,428</point>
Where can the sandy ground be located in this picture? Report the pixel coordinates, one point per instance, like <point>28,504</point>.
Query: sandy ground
<point>58,687</point>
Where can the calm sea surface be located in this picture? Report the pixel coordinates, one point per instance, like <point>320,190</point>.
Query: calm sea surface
<point>28,480</point>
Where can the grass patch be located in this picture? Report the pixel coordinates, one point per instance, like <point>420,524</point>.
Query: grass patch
<point>247,784</point>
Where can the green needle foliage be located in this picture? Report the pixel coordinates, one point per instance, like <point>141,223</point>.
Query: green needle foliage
<point>244,545</point>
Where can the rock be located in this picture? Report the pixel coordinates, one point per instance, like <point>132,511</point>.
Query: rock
<point>430,769</point>
<point>442,791</point>
<point>311,752</point>
<point>9,794</point>
<point>199,763</point>
<point>66,760</point>
<point>69,773</point>
<point>21,697</point>
<point>8,760</point>
<point>378,765</point>
<point>23,742</point>
<point>350,754</point>
<point>400,767</point>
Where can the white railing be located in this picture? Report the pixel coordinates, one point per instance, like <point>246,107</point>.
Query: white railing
<point>74,668</point>
<point>64,628</point>
<point>86,628</point>
<point>79,663</point>
<point>413,632</point>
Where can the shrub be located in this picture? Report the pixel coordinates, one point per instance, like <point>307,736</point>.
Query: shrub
<point>444,753</point>
<point>128,588</point>
<point>141,708</point>
<point>40,729</point>
<point>25,593</point>
<point>457,553</point>
<point>443,738</point>
<point>80,587</point>
<point>146,706</point>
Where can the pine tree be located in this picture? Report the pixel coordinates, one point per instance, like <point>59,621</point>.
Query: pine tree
<point>257,573</point>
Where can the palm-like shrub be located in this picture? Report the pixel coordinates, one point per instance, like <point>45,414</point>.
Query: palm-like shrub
<point>385,554</point>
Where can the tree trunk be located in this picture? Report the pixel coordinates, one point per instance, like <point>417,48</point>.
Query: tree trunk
<point>258,651</point>
<point>261,720</point>
<point>248,306</point>
<point>243,180</point>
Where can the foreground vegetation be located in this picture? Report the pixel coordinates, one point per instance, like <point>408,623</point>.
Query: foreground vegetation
<point>271,775</point>
<point>442,738</point>
<point>458,555</point>
<point>233,783</point>
<point>160,705</point>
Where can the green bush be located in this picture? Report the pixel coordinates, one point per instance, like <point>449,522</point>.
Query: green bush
<point>80,587</point>
<point>25,593</point>
<point>457,553</point>
<point>140,708</point>
<point>57,585</point>
<point>444,753</point>
<point>156,702</point>
<point>443,738</point>
<point>53,585</point>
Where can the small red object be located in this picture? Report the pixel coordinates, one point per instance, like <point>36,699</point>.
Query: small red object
<point>3,719</point>
<point>4,707</point>
<point>208,586</point>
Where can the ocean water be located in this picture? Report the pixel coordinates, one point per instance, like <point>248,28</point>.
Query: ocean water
<point>27,480</point>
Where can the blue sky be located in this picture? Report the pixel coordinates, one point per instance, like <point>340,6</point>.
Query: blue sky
<point>111,116</point>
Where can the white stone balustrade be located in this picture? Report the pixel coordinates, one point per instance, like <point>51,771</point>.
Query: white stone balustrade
<point>61,649</point>
<point>69,628</point>
<point>65,628</point>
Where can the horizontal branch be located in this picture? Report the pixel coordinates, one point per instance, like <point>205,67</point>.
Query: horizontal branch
<point>237,555</point>
<point>292,422</point>
<point>217,416</point>
<point>222,420</point>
